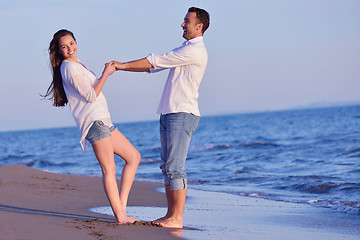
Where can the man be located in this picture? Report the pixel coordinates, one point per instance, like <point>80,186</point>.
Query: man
<point>178,108</point>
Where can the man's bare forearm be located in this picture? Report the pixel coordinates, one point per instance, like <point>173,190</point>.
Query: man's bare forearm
<point>141,65</point>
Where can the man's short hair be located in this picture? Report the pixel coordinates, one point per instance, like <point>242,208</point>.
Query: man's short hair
<point>202,15</point>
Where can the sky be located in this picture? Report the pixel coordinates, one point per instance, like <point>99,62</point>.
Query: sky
<point>264,55</point>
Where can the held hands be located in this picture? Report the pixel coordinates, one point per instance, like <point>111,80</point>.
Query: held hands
<point>141,65</point>
<point>118,65</point>
<point>109,69</point>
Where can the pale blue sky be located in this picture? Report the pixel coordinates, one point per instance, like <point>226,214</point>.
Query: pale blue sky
<point>263,54</point>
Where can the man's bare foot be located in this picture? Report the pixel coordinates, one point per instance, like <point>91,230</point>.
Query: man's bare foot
<point>126,220</point>
<point>170,223</point>
<point>159,220</point>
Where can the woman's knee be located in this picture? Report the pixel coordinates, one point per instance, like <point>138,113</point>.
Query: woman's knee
<point>136,157</point>
<point>108,168</point>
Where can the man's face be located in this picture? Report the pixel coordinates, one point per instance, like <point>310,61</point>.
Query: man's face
<point>191,26</point>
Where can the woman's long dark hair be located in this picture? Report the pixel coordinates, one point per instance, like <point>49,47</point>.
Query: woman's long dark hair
<point>56,90</point>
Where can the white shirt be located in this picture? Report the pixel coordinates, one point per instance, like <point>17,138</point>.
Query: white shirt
<point>85,107</point>
<point>187,67</point>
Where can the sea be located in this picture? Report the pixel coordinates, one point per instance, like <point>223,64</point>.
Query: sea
<point>307,156</point>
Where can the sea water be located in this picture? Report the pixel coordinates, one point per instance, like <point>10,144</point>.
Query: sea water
<point>309,156</point>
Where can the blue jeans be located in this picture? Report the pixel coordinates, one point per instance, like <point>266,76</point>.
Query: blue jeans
<point>175,135</point>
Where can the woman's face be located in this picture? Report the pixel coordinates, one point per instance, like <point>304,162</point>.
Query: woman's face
<point>68,48</point>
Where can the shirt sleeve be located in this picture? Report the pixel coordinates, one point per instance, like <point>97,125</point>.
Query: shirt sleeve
<point>153,70</point>
<point>181,56</point>
<point>74,75</point>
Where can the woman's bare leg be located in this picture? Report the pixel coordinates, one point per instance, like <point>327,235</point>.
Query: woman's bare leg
<point>104,151</point>
<point>124,149</point>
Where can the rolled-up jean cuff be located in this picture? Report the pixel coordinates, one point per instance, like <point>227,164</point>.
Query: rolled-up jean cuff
<point>178,184</point>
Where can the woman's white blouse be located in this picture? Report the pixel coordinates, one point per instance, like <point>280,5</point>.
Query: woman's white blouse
<point>85,107</point>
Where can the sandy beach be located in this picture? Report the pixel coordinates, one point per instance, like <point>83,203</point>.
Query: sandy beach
<point>42,205</point>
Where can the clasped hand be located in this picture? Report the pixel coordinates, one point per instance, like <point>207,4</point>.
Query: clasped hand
<point>109,69</point>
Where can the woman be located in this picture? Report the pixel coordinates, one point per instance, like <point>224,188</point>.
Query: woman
<point>75,85</point>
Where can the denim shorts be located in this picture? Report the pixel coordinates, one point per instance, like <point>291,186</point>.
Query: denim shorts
<point>99,131</point>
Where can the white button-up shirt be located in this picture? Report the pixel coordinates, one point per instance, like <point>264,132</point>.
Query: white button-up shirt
<point>187,67</point>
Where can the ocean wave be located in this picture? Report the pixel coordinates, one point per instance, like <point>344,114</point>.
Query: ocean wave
<point>149,161</point>
<point>243,170</point>
<point>263,195</point>
<point>236,144</point>
<point>341,206</point>
<point>259,144</point>
<point>325,187</point>
<point>350,187</point>
<point>43,164</point>
<point>315,187</point>
<point>255,179</point>
<point>355,171</point>
<point>210,146</point>
<point>199,181</point>
<point>352,152</point>
<point>16,157</point>
<point>352,149</point>
<point>155,150</point>
<point>306,178</point>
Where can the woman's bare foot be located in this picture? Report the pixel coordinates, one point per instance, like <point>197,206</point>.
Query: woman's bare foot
<point>126,220</point>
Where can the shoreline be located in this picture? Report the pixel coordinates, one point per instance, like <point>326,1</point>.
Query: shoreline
<point>41,205</point>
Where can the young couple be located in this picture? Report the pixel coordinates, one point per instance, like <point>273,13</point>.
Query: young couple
<point>75,85</point>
